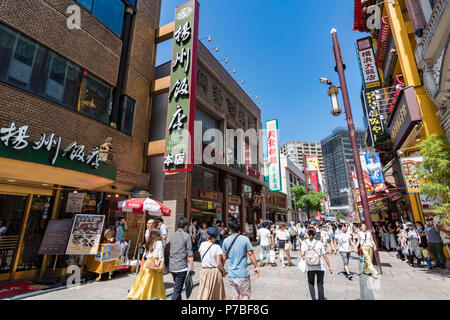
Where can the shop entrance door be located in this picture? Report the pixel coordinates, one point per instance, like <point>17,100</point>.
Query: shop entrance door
<point>12,212</point>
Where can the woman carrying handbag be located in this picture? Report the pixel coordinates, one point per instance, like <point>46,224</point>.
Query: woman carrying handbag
<point>213,272</point>
<point>149,283</point>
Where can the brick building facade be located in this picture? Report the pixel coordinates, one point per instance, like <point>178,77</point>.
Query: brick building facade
<point>70,82</point>
<point>216,191</point>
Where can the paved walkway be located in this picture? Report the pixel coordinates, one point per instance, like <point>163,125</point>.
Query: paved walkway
<point>399,281</point>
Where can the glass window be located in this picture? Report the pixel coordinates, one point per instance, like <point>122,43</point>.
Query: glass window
<point>7,43</point>
<point>126,124</point>
<point>21,64</point>
<point>205,179</point>
<point>36,225</point>
<point>95,98</point>
<point>36,69</point>
<point>110,13</point>
<point>207,121</point>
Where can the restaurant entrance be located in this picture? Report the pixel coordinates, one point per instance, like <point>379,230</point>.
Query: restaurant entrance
<point>23,219</point>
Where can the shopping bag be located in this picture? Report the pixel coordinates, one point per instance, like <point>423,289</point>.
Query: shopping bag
<point>189,285</point>
<point>302,265</point>
<point>272,256</point>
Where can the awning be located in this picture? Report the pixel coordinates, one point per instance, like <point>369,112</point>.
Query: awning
<point>391,194</point>
<point>11,169</point>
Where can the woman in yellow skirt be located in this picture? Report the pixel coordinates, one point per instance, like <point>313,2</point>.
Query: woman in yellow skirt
<point>213,272</point>
<point>149,284</point>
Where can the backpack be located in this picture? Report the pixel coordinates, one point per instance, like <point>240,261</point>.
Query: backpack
<point>292,232</point>
<point>312,257</point>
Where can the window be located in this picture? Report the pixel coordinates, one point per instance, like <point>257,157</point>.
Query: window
<point>208,122</point>
<point>126,122</point>
<point>205,179</point>
<point>95,99</point>
<point>108,12</point>
<point>29,66</point>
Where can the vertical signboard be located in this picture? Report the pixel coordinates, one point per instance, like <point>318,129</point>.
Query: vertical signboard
<point>179,153</point>
<point>374,168</point>
<point>410,166</point>
<point>314,161</point>
<point>373,116</point>
<point>369,71</point>
<point>273,155</point>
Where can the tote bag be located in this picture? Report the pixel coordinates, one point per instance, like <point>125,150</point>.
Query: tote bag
<point>189,284</point>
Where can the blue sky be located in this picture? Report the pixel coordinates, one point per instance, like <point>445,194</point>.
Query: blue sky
<point>281,48</point>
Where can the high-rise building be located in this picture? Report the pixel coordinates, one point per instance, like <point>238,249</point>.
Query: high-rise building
<point>337,149</point>
<point>294,151</point>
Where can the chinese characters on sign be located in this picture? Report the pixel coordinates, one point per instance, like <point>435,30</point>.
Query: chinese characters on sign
<point>273,156</point>
<point>410,166</point>
<point>404,117</point>
<point>369,70</point>
<point>373,116</point>
<point>17,139</point>
<point>183,86</point>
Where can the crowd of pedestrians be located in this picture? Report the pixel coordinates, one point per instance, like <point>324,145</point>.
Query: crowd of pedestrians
<point>413,242</point>
<point>224,253</point>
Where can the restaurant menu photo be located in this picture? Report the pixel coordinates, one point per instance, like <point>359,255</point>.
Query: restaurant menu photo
<point>86,234</point>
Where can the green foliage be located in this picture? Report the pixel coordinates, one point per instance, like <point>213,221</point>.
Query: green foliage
<point>436,153</point>
<point>340,216</point>
<point>312,200</point>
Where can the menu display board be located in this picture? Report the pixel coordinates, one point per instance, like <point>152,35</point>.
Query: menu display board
<point>74,202</point>
<point>56,237</point>
<point>86,235</point>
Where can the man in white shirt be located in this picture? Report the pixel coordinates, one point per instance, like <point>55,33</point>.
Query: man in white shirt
<point>265,244</point>
<point>344,240</point>
<point>163,229</point>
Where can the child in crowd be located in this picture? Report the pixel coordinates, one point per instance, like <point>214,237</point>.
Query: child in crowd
<point>426,255</point>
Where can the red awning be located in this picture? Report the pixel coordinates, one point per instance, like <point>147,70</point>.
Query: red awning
<point>390,194</point>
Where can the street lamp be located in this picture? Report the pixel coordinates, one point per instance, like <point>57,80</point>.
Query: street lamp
<point>332,92</point>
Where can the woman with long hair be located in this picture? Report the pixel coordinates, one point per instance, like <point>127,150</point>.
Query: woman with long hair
<point>213,272</point>
<point>283,237</point>
<point>317,270</point>
<point>367,246</point>
<point>149,283</point>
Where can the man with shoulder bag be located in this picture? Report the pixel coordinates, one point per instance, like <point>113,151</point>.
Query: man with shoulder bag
<point>236,248</point>
<point>180,254</point>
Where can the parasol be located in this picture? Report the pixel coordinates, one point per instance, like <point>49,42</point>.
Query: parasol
<point>144,206</point>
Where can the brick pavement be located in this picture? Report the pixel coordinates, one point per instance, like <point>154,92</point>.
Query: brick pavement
<point>399,281</point>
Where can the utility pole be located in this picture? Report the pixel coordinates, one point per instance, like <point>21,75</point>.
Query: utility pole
<point>351,129</point>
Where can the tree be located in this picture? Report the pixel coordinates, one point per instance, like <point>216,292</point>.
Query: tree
<point>312,200</point>
<point>340,216</point>
<point>436,174</point>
